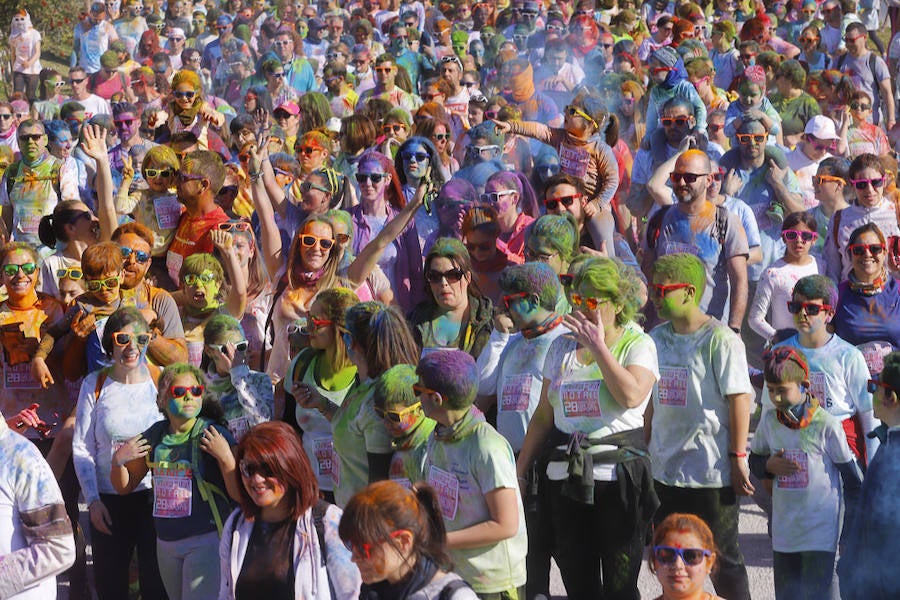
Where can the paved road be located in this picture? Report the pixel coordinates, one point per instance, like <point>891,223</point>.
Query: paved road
<point>755,545</point>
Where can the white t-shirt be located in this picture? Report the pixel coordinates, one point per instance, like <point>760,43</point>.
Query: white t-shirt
<point>582,402</point>
<point>49,280</point>
<point>512,368</point>
<point>805,167</point>
<point>691,411</point>
<point>774,291</point>
<point>806,506</point>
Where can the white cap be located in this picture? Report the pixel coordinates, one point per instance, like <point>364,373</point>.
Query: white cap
<point>821,127</point>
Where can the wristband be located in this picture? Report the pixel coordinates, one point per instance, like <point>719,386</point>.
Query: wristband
<point>737,454</point>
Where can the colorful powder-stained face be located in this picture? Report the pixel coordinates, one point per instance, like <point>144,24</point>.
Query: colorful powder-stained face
<point>187,406</point>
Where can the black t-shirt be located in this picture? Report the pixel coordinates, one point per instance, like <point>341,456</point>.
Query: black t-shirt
<point>268,567</point>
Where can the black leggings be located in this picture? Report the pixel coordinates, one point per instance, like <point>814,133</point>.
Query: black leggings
<point>132,527</point>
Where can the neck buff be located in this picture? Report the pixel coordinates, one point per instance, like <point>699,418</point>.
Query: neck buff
<point>522,85</point>
<point>867,289</point>
<point>529,333</point>
<point>802,413</point>
<point>187,115</point>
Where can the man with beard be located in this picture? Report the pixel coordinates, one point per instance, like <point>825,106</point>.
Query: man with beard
<point>697,226</point>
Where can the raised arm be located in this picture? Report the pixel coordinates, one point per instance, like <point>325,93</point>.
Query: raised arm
<point>94,145</point>
<point>236,302</point>
<point>270,237</point>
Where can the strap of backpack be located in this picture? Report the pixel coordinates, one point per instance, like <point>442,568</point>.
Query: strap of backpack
<point>319,509</point>
<point>207,490</point>
<point>654,226</point>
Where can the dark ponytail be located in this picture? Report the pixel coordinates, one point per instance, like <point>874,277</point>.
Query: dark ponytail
<point>52,228</point>
<point>434,546</point>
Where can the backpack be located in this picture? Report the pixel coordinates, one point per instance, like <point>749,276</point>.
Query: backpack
<point>654,225</point>
<point>451,588</point>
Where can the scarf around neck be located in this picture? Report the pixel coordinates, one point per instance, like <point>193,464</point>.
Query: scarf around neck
<point>529,333</point>
<point>419,576</point>
<point>803,413</point>
<point>867,289</point>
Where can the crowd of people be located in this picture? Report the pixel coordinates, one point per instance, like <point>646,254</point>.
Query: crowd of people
<point>402,299</point>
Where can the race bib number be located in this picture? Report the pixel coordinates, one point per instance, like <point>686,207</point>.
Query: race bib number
<point>173,264</point>
<point>516,393</point>
<point>447,487</point>
<point>239,427</point>
<point>323,448</point>
<point>679,248</point>
<point>818,388</point>
<point>800,479</point>
<point>195,353</point>
<point>574,161</point>
<point>673,386</point>
<point>172,494</point>
<point>581,399</point>
<point>874,353</point>
<point>29,220</point>
<point>168,212</point>
<point>19,377</point>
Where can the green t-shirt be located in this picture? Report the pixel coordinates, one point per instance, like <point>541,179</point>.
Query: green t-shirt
<point>462,472</point>
<point>357,431</point>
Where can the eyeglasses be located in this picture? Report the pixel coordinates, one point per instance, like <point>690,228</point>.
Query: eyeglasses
<point>573,111</point>
<point>783,353</point>
<point>356,62</point>
<point>240,346</point>
<point>452,276</point>
<point>587,302</point>
<point>310,241</point>
<point>862,184</point>
<point>667,555</point>
<point>180,391</point>
<point>440,137</point>
<point>873,384</point>
<point>490,114</point>
<point>307,150</point>
<point>688,178</point>
<point>859,106</point>
<point>747,57</point>
<point>482,247</point>
<point>123,338</point>
<point>375,178</point>
<point>862,249</point>
<point>77,81</point>
<point>249,469</point>
<point>318,323</point>
<point>566,201</point>
<point>679,121</point>
<point>277,75</point>
<point>494,197</point>
<point>818,145</point>
<point>184,95</point>
<point>365,550</point>
<point>661,290</point>
<point>30,137</point>
<point>6,116</point>
<point>12,270</point>
<point>383,69</point>
<point>509,299</point>
<point>657,70</point>
<point>394,128</point>
<point>810,308</point>
<point>853,38</point>
<point>417,157</point>
<point>161,173</point>
<point>182,176</point>
<point>139,255</point>
<point>204,277</point>
<point>306,186</point>
<point>791,235</point>
<point>537,256</point>
<point>396,416</point>
<point>74,273</point>
<point>751,138</point>
<point>234,225</point>
<point>95,285</point>
<point>469,84</point>
<point>821,179</point>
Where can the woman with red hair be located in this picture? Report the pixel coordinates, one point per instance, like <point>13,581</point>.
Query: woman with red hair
<point>282,542</point>
<point>397,538</point>
<point>683,555</point>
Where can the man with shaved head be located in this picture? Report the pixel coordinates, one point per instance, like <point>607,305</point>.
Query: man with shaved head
<point>715,235</point>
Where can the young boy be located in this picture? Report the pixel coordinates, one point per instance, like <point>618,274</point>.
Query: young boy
<point>472,469</point>
<point>872,541</point>
<point>396,403</point>
<point>102,268</point>
<point>804,449</point>
<point>837,369</point>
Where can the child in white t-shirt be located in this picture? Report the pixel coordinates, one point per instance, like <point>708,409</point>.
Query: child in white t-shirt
<point>803,448</point>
